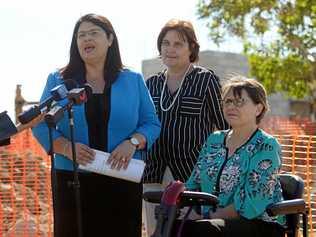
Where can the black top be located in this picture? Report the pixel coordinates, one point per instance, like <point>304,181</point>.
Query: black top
<point>97,114</point>
<point>195,114</point>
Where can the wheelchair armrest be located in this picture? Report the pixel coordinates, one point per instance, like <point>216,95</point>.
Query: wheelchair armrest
<point>193,198</point>
<point>187,198</point>
<point>153,196</point>
<point>293,206</point>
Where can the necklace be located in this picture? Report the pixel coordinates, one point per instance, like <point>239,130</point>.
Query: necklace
<point>178,92</point>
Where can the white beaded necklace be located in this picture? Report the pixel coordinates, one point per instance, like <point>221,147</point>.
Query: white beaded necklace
<point>178,92</point>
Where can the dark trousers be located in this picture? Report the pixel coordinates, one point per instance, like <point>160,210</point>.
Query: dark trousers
<point>228,228</point>
<point>110,206</point>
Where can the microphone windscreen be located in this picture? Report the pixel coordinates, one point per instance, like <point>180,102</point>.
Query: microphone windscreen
<point>88,90</point>
<point>29,114</point>
<point>58,93</point>
<point>70,84</point>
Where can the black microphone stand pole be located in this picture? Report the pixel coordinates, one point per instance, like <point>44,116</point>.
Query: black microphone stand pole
<point>52,117</point>
<point>53,174</point>
<point>76,183</point>
<point>75,96</point>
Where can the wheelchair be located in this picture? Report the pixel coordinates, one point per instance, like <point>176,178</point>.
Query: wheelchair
<point>175,197</point>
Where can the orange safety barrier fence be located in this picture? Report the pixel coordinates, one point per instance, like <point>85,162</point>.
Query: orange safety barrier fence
<point>299,157</point>
<point>298,140</point>
<point>283,125</point>
<point>25,189</point>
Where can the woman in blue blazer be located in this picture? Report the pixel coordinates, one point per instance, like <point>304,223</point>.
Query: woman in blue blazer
<point>119,118</point>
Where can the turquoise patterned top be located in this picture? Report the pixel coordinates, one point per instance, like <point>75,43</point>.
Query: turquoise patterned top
<point>248,179</point>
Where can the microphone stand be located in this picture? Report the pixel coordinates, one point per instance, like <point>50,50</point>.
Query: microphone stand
<point>51,126</point>
<point>75,183</point>
<point>75,96</point>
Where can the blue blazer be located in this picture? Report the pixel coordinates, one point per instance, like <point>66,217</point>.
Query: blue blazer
<point>132,111</point>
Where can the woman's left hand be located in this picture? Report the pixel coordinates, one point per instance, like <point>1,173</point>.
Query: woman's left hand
<point>122,155</point>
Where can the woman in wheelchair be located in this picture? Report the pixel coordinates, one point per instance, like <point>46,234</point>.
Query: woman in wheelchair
<point>241,167</point>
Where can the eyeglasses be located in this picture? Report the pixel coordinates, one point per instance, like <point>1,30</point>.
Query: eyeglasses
<point>92,33</point>
<point>238,102</point>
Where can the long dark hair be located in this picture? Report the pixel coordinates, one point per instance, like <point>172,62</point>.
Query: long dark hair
<point>113,63</point>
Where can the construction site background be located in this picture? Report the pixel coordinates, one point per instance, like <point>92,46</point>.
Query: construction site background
<point>25,188</point>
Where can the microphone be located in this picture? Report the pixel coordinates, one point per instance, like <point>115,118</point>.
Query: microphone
<point>75,96</point>
<point>7,127</point>
<point>80,95</point>
<point>57,93</point>
<point>88,89</point>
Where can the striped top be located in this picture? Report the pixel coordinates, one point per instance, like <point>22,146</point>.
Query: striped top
<point>185,127</point>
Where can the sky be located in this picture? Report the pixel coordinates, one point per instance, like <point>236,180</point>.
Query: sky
<point>35,36</point>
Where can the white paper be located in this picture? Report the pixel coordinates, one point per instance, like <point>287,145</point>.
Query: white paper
<point>134,171</point>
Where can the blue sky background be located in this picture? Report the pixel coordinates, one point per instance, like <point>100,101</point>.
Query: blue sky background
<point>35,36</point>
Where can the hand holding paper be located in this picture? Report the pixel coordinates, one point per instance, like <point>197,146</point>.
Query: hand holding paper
<point>133,173</point>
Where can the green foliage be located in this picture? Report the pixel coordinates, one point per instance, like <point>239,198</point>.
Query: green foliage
<point>279,38</point>
<point>286,74</point>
